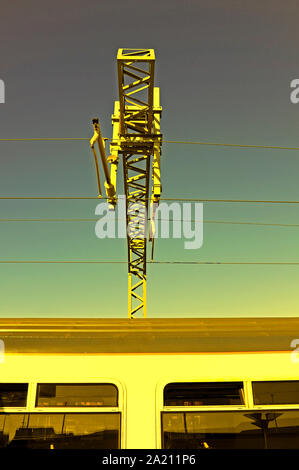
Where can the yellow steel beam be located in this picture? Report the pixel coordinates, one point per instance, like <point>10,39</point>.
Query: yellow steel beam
<point>110,180</point>
<point>136,120</point>
<point>156,172</point>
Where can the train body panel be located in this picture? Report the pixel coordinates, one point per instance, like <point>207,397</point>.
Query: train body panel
<point>141,379</point>
<point>93,354</point>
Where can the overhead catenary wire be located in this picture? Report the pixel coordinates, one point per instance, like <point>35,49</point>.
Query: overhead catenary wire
<point>221,144</point>
<point>228,222</point>
<point>252,263</point>
<point>165,199</point>
<point>58,198</point>
<point>179,142</point>
<point>264,263</point>
<point>37,139</point>
<point>250,201</point>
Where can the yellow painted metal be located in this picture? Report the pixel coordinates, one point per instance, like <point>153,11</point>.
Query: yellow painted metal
<point>141,394</point>
<point>136,120</point>
<point>114,145</point>
<point>97,171</point>
<point>156,188</point>
<point>59,350</point>
<point>156,174</point>
<point>110,184</point>
<point>136,135</point>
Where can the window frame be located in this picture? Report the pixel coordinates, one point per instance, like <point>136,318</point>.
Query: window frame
<point>248,400</point>
<point>292,406</point>
<point>14,409</point>
<point>205,407</point>
<point>161,408</point>
<point>32,396</point>
<point>76,407</point>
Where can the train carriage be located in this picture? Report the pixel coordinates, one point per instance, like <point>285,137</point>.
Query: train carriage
<point>158,383</point>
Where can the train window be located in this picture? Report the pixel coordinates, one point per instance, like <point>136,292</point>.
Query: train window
<point>73,395</point>
<point>204,394</point>
<point>231,430</point>
<point>284,392</point>
<point>13,394</point>
<point>60,430</point>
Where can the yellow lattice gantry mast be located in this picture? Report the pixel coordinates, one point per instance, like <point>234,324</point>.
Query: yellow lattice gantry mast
<point>137,137</point>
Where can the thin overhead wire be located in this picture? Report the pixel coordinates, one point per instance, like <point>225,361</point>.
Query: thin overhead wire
<point>227,222</point>
<point>51,197</point>
<point>270,263</point>
<point>253,201</point>
<point>250,201</point>
<point>247,223</point>
<point>60,262</point>
<point>220,144</point>
<point>36,139</point>
<point>264,263</point>
<point>180,142</point>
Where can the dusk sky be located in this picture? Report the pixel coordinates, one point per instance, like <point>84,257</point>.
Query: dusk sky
<point>224,69</point>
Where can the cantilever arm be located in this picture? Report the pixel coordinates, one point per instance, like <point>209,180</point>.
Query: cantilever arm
<point>109,186</point>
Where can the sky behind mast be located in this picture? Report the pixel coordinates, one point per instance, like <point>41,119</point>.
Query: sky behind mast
<point>224,69</point>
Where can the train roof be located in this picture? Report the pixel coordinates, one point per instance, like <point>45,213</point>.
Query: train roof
<point>156,335</point>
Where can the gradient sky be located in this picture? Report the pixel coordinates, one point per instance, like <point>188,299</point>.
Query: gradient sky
<point>224,69</point>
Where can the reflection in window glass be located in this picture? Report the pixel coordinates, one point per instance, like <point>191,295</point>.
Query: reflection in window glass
<point>204,393</point>
<point>60,430</point>
<point>13,394</point>
<point>277,393</point>
<point>77,395</point>
<point>278,429</point>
